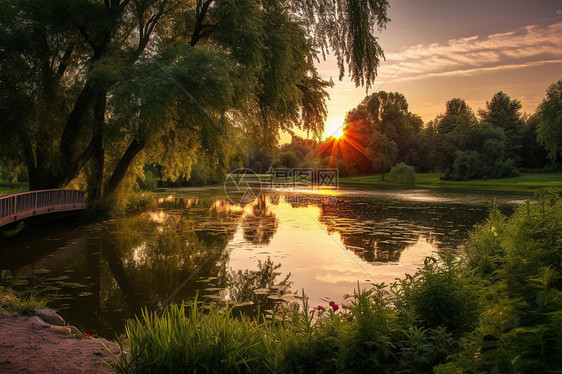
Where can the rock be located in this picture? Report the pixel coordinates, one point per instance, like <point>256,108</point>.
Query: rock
<point>38,320</point>
<point>50,316</point>
<point>61,329</point>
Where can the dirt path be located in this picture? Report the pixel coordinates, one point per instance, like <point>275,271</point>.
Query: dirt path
<point>30,346</point>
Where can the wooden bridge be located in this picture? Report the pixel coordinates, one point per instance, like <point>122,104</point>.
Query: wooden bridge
<point>18,206</point>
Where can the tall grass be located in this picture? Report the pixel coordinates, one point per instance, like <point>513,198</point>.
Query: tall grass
<point>182,339</point>
<point>497,309</point>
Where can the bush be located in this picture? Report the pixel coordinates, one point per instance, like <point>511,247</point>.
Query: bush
<point>402,175</point>
<point>443,294</point>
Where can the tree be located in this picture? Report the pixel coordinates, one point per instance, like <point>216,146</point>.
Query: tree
<point>383,152</point>
<point>385,113</point>
<point>287,160</point>
<point>454,132</point>
<point>98,88</point>
<point>532,154</point>
<point>549,128</point>
<point>487,160</point>
<point>505,113</point>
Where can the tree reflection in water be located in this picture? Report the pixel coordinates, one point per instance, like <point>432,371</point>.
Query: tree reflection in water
<point>260,226</point>
<point>252,291</point>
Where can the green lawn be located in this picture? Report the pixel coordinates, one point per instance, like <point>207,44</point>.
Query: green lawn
<point>10,187</point>
<point>526,182</point>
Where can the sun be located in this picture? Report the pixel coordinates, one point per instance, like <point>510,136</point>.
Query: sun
<point>338,134</point>
<point>334,127</point>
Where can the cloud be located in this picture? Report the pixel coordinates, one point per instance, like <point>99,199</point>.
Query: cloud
<point>527,46</point>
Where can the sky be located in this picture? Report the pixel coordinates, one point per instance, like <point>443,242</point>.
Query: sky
<point>438,50</point>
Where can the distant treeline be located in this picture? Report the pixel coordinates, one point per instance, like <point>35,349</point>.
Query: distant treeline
<point>381,132</point>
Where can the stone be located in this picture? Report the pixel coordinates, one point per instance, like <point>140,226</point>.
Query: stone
<point>50,316</point>
<point>38,320</point>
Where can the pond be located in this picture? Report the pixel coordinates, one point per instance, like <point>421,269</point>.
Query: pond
<point>198,243</point>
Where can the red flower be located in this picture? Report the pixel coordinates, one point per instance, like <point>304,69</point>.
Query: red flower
<point>87,335</point>
<point>334,305</point>
<point>321,308</point>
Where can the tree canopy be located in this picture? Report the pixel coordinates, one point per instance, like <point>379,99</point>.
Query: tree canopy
<point>94,89</point>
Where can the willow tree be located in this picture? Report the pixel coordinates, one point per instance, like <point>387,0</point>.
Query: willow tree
<point>95,87</point>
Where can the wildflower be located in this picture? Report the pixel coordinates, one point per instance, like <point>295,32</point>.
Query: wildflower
<point>321,308</point>
<point>334,306</point>
<point>87,335</point>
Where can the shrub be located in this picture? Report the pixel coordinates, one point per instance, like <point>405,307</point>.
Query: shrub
<point>443,294</point>
<point>402,175</point>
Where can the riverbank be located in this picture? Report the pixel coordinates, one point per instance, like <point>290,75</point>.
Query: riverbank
<point>7,188</point>
<point>34,341</point>
<point>526,182</point>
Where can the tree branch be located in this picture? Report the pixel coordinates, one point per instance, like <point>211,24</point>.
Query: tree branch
<point>201,13</point>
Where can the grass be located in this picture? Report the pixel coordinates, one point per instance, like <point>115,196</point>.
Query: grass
<point>12,187</point>
<point>11,304</point>
<point>526,182</point>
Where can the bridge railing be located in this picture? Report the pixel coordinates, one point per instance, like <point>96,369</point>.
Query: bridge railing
<point>18,206</point>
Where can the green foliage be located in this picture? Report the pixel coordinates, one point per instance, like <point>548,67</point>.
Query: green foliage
<point>519,331</point>
<point>402,175</point>
<point>286,160</point>
<point>13,304</point>
<point>443,294</point>
<point>488,160</point>
<point>549,128</point>
<point>383,152</point>
<point>168,83</point>
<point>180,341</point>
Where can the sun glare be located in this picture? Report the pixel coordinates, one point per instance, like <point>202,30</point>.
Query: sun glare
<point>334,127</point>
<point>338,133</point>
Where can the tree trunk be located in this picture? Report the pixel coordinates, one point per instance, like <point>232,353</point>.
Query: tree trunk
<point>75,122</point>
<point>95,190</point>
<point>134,148</point>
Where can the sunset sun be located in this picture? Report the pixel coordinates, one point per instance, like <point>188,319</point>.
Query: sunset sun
<point>334,127</point>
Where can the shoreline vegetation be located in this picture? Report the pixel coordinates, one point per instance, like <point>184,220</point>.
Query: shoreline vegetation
<point>495,308</point>
<point>530,182</point>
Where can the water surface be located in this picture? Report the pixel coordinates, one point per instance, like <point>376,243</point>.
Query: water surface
<point>197,242</point>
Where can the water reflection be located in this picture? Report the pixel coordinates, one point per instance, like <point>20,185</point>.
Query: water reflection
<point>251,256</point>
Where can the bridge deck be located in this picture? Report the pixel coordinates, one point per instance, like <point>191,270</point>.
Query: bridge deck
<point>18,206</point>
